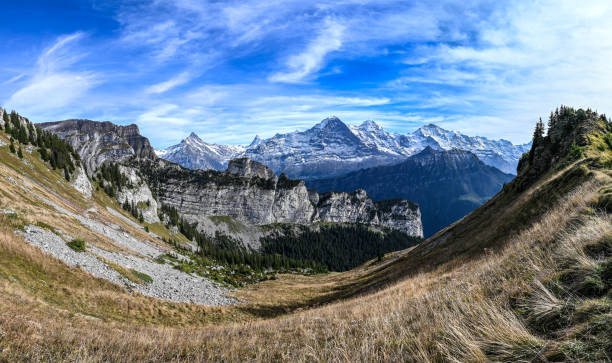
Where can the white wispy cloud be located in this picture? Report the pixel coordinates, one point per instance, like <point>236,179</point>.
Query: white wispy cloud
<point>311,60</point>
<point>169,84</point>
<point>231,69</point>
<point>51,85</point>
<point>526,60</point>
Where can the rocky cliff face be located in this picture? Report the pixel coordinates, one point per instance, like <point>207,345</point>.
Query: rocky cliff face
<point>248,168</point>
<point>139,194</point>
<point>250,192</point>
<point>97,142</point>
<point>358,207</point>
<point>447,185</point>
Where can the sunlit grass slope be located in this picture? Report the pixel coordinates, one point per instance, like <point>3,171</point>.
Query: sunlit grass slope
<point>526,277</point>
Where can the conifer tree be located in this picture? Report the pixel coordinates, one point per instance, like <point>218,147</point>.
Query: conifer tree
<point>43,153</point>
<point>66,174</point>
<point>538,133</point>
<point>551,121</point>
<point>12,147</point>
<point>19,153</point>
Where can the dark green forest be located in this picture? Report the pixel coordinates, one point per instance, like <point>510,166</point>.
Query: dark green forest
<point>225,250</point>
<point>339,247</point>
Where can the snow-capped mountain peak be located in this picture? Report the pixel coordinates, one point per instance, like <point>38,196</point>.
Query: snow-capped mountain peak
<point>370,125</point>
<point>194,139</point>
<point>256,141</point>
<point>331,148</point>
<point>194,153</point>
<point>330,122</point>
<point>193,136</point>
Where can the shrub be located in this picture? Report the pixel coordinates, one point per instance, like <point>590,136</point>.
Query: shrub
<point>608,140</point>
<point>77,245</point>
<point>576,152</point>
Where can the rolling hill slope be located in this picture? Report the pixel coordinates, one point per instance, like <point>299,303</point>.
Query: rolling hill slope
<point>525,277</point>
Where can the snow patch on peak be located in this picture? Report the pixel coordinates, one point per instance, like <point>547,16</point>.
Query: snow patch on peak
<point>328,122</point>
<point>370,125</point>
<point>256,141</point>
<point>194,136</point>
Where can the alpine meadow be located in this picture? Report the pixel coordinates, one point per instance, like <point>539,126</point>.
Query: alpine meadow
<point>286,181</point>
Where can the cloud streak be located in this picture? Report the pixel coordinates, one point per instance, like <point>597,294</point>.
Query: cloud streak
<point>50,85</point>
<point>231,69</point>
<point>311,60</point>
<point>169,84</point>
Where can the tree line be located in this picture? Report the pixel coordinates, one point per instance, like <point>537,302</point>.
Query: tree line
<point>339,247</point>
<point>57,152</point>
<point>226,250</point>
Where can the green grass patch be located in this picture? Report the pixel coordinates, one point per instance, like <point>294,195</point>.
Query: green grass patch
<point>164,233</point>
<point>142,205</point>
<point>77,244</point>
<point>132,275</point>
<point>45,226</point>
<point>141,276</point>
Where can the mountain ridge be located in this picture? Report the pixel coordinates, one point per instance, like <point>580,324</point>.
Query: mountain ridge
<point>447,184</point>
<point>247,191</point>
<point>331,148</point>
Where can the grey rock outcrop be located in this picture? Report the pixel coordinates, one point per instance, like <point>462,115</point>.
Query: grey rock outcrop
<point>82,183</point>
<point>138,194</point>
<point>248,168</point>
<point>97,142</point>
<point>358,207</point>
<point>252,194</point>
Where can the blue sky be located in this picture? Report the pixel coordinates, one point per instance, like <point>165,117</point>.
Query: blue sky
<point>231,69</point>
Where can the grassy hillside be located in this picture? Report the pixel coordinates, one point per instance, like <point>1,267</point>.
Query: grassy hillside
<point>526,277</point>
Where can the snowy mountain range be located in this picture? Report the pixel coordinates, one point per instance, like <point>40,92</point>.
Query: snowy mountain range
<point>333,148</point>
<point>193,153</point>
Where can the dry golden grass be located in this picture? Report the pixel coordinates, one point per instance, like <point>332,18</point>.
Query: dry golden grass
<point>476,306</point>
<point>460,313</point>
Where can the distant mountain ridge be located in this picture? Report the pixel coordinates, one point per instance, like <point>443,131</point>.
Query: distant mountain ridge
<point>332,148</point>
<point>194,153</point>
<point>447,184</point>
